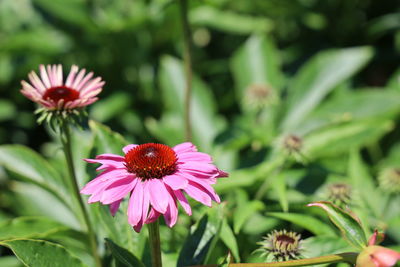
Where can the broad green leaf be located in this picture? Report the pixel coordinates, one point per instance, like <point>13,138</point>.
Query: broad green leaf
<point>43,40</point>
<point>248,176</point>
<point>73,11</point>
<point>339,139</point>
<point>123,256</point>
<point>308,222</point>
<point>107,141</point>
<point>10,261</point>
<point>31,167</point>
<point>205,123</point>
<point>279,185</point>
<point>394,81</point>
<point>351,106</point>
<point>7,108</point>
<point>350,228</point>
<point>324,245</point>
<point>319,76</point>
<point>39,253</point>
<point>257,63</point>
<point>244,209</point>
<point>229,239</point>
<point>110,107</point>
<point>29,227</point>
<point>229,21</point>
<point>364,184</point>
<point>202,238</point>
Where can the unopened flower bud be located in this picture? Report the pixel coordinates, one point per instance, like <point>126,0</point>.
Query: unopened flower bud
<point>281,246</point>
<point>377,256</point>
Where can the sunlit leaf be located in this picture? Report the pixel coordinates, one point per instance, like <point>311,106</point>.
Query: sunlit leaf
<point>38,253</point>
<point>350,228</point>
<point>202,238</point>
<point>123,256</point>
<point>317,78</point>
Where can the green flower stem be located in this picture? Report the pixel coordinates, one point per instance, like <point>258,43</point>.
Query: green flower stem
<point>335,258</point>
<point>154,236</point>
<point>187,58</point>
<point>66,142</point>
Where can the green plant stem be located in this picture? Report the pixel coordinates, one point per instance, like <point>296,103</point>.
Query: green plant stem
<point>154,236</point>
<point>187,58</point>
<point>66,142</point>
<point>335,258</point>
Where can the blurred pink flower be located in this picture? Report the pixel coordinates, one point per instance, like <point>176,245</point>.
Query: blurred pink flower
<point>155,176</point>
<point>377,256</point>
<point>50,91</point>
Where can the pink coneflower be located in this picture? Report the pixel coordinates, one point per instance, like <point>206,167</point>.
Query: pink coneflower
<point>155,176</point>
<point>50,91</point>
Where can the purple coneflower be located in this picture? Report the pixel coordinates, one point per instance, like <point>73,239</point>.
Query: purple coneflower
<point>155,176</point>
<point>50,90</point>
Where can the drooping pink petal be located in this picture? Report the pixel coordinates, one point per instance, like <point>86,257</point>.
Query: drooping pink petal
<point>118,190</point>
<point>128,147</point>
<point>114,207</point>
<point>199,167</point>
<point>196,193</point>
<point>194,156</point>
<point>171,215</point>
<point>153,216</point>
<point>135,206</point>
<point>158,195</point>
<point>183,201</point>
<point>175,181</point>
<point>106,163</point>
<point>184,147</point>
<point>203,186</point>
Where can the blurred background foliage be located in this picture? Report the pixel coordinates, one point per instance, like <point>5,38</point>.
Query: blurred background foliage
<point>291,97</point>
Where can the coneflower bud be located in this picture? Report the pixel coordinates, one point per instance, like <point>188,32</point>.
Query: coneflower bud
<point>339,194</point>
<point>389,180</point>
<point>258,96</point>
<point>281,245</point>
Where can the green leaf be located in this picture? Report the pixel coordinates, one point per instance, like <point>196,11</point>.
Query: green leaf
<point>38,253</point>
<point>279,185</point>
<point>364,184</point>
<point>111,107</point>
<point>202,238</point>
<point>351,106</point>
<point>123,256</point>
<point>29,227</point>
<point>256,62</point>
<point>229,21</point>
<point>229,239</point>
<point>72,11</point>
<point>324,245</point>
<point>318,77</point>
<point>350,228</point>
<point>244,209</point>
<point>107,141</point>
<point>31,167</point>
<point>10,261</point>
<point>205,123</point>
<point>339,139</point>
<point>308,222</point>
<point>394,81</point>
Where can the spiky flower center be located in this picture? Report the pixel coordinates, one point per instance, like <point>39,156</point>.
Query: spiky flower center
<point>151,160</point>
<point>281,245</point>
<point>61,93</point>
